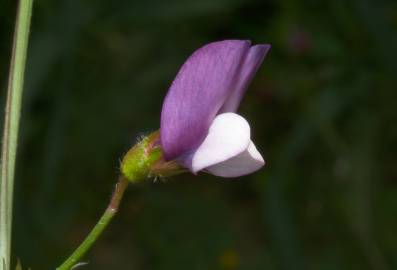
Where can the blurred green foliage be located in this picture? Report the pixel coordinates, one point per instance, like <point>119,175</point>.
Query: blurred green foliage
<point>322,109</point>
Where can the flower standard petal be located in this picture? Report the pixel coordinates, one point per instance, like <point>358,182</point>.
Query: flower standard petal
<point>197,94</point>
<point>250,66</point>
<point>228,136</point>
<point>245,163</point>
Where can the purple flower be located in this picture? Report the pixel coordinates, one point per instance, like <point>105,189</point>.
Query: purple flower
<point>199,126</point>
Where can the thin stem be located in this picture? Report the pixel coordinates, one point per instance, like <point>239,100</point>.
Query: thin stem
<point>103,222</point>
<point>11,126</point>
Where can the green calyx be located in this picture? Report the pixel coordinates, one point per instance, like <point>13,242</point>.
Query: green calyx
<point>136,164</point>
<point>145,159</point>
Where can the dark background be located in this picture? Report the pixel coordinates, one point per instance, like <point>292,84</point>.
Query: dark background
<point>322,110</point>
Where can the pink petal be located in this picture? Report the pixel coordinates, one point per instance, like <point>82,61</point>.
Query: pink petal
<point>245,163</point>
<point>228,136</point>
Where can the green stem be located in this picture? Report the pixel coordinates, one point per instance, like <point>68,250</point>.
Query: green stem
<point>103,222</point>
<point>11,126</point>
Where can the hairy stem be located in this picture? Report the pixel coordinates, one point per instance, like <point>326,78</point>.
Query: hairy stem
<point>101,225</point>
<point>11,126</point>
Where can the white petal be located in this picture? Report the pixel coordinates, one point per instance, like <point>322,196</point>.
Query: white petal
<point>247,162</point>
<point>228,136</point>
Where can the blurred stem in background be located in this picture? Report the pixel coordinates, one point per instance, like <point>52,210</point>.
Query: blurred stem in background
<point>11,126</point>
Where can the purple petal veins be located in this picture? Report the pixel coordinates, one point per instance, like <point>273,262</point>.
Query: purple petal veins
<point>249,67</point>
<point>212,80</point>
